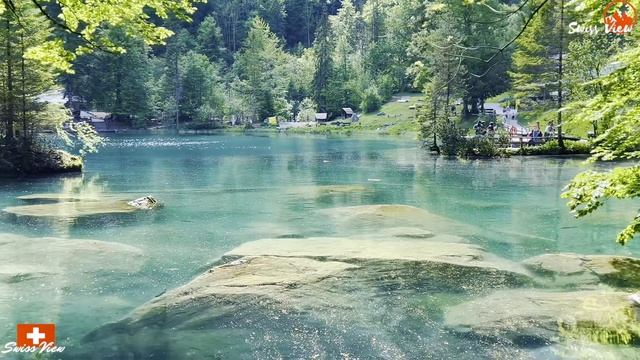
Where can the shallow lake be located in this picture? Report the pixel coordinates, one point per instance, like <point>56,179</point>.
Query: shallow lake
<point>221,191</point>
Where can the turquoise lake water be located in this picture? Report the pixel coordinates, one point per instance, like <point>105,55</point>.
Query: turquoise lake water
<point>220,191</point>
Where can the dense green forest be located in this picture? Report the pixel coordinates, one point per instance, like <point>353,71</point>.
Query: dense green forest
<point>246,61</point>
<point>206,64</point>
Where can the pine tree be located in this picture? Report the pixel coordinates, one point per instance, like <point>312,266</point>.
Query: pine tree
<point>535,60</point>
<point>324,73</point>
<point>22,78</point>
<point>259,66</point>
<point>209,39</point>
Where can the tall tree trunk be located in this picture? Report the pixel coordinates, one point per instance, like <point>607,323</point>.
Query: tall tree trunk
<point>178,93</point>
<point>307,12</point>
<point>435,122</point>
<point>560,138</point>
<point>118,87</point>
<point>25,137</point>
<point>9,136</point>
<point>474,105</point>
<point>446,109</point>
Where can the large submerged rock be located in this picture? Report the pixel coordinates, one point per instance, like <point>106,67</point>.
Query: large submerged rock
<point>259,295</point>
<point>395,250</point>
<point>24,258</point>
<point>576,269</point>
<point>72,209</point>
<point>273,285</point>
<point>537,317</point>
<point>246,280</point>
<point>76,206</point>
<point>389,216</point>
<point>326,191</point>
<point>400,263</point>
<point>64,197</point>
<point>407,232</point>
<point>38,276</point>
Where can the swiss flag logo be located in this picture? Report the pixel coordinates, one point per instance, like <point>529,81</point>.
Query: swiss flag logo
<point>35,334</point>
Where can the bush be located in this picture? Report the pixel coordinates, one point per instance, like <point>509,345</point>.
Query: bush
<point>552,148</point>
<point>371,100</point>
<point>386,87</point>
<point>452,138</point>
<point>454,143</point>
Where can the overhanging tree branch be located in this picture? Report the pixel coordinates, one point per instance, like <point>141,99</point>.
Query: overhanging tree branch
<point>505,17</point>
<point>500,51</point>
<point>66,28</point>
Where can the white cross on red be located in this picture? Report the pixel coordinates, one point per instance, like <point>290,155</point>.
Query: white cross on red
<point>35,335</point>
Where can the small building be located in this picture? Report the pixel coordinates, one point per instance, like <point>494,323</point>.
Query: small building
<point>99,120</point>
<point>347,113</point>
<point>322,117</point>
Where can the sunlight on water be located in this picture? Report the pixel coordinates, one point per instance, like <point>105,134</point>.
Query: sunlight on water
<point>221,192</point>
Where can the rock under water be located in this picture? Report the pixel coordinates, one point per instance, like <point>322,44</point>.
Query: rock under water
<point>371,250</point>
<point>577,269</point>
<point>37,268</point>
<point>74,209</point>
<point>534,317</point>
<point>374,217</point>
<point>25,258</point>
<point>267,285</point>
<point>78,205</point>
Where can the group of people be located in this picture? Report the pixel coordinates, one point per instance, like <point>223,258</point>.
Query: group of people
<point>482,128</point>
<point>537,136</point>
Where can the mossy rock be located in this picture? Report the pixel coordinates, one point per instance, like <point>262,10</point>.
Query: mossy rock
<point>577,269</point>
<point>532,317</point>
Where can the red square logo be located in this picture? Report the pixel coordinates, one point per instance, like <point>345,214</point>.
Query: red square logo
<point>35,334</point>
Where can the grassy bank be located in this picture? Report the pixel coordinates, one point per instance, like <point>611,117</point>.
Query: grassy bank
<point>394,117</point>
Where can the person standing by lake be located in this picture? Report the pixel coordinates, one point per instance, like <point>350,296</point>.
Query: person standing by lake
<point>550,130</point>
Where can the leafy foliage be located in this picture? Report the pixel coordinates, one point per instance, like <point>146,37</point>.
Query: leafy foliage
<point>88,20</point>
<point>615,104</point>
<point>551,147</point>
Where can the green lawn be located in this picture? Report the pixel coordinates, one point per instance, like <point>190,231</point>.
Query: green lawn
<point>397,119</point>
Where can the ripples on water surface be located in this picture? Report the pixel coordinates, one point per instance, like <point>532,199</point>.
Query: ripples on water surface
<point>222,191</point>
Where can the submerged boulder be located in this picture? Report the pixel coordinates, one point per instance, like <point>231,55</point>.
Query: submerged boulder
<point>65,197</point>
<point>401,232</point>
<point>531,317</point>
<point>406,232</point>
<point>305,292</point>
<point>247,278</point>
<point>78,205</point>
<point>41,277</point>
<point>366,217</point>
<point>24,258</point>
<point>419,260</point>
<point>576,269</point>
<point>323,191</point>
<point>252,294</point>
<point>73,209</point>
